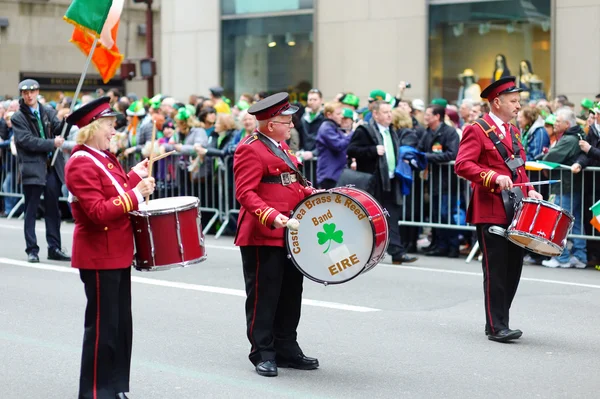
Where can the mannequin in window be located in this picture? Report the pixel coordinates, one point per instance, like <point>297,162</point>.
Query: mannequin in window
<point>536,88</point>
<point>469,88</point>
<point>500,68</point>
<point>525,74</point>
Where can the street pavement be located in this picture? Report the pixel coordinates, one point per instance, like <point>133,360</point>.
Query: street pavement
<point>414,331</point>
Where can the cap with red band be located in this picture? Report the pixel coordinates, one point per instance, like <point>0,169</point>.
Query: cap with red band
<point>501,86</point>
<point>272,106</point>
<point>91,111</point>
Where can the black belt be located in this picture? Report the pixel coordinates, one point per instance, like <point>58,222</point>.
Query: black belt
<point>285,179</point>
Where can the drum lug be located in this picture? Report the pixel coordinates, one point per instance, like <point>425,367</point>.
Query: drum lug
<point>179,241</point>
<point>152,249</point>
<point>289,256</point>
<point>386,213</point>
<point>497,230</point>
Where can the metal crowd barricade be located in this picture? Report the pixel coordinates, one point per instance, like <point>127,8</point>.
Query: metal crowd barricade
<point>10,180</point>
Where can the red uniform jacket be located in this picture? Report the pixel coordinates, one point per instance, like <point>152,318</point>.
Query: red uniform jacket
<point>260,202</point>
<point>479,161</point>
<point>103,237</point>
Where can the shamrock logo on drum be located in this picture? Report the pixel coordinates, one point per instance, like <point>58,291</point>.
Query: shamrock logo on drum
<point>330,234</point>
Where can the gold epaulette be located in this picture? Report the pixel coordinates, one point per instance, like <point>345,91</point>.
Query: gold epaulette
<point>250,139</point>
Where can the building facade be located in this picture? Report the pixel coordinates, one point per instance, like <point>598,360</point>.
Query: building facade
<point>34,43</point>
<point>360,45</point>
<point>439,46</point>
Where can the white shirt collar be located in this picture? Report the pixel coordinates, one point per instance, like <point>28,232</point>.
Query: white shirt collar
<point>498,122</point>
<point>275,142</point>
<point>97,151</point>
<point>382,128</point>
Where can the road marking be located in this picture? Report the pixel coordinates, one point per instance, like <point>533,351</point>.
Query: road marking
<point>187,286</point>
<point>418,268</point>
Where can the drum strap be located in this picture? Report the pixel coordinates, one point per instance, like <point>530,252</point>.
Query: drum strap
<point>278,152</point>
<point>115,183</point>
<point>513,162</point>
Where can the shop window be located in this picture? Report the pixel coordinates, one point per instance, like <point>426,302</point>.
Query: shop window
<point>267,54</point>
<point>229,7</point>
<point>472,44</point>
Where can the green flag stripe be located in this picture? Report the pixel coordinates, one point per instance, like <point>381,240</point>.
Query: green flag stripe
<point>89,15</point>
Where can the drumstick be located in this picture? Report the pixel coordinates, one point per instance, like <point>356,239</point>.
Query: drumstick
<point>151,155</point>
<point>536,183</point>
<point>166,154</point>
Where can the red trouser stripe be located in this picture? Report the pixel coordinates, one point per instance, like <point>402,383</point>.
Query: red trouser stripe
<point>255,299</point>
<point>487,291</point>
<point>97,335</point>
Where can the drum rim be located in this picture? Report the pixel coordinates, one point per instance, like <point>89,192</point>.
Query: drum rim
<point>166,211</point>
<point>291,256</point>
<point>534,237</point>
<point>172,265</point>
<point>549,204</point>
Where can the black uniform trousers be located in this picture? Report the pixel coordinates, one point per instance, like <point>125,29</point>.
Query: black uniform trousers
<point>273,302</point>
<point>106,355</point>
<point>388,202</point>
<point>33,193</point>
<point>502,265</point>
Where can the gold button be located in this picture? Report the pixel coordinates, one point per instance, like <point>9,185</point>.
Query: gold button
<point>492,190</point>
<point>106,228</point>
<point>125,185</point>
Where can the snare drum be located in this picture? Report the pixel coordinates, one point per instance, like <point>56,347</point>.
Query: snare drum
<point>168,234</point>
<point>343,233</point>
<point>540,226</point>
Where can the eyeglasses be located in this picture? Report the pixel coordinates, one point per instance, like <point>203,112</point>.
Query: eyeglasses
<point>283,123</point>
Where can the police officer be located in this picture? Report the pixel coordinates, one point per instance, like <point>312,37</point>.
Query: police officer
<point>37,135</point>
<point>268,186</point>
<point>492,158</point>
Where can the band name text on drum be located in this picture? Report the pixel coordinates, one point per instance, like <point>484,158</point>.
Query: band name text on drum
<point>322,218</point>
<point>295,244</point>
<point>343,264</point>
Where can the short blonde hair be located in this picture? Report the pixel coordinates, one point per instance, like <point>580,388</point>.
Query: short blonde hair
<point>401,119</point>
<point>226,120</point>
<point>87,132</point>
<point>331,107</point>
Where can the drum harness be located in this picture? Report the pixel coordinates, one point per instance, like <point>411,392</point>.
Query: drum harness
<point>285,178</point>
<point>81,153</point>
<point>511,198</point>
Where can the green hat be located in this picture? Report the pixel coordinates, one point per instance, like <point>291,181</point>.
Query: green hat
<point>183,113</point>
<point>347,113</point>
<point>242,105</point>
<point>587,103</point>
<point>155,101</point>
<point>136,109</point>
<point>550,120</point>
<point>351,100</point>
<point>377,95</point>
<point>442,102</point>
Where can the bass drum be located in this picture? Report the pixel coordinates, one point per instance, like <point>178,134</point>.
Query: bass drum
<point>343,232</point>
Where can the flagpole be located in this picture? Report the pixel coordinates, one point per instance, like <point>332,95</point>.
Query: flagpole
<point>77,91</point>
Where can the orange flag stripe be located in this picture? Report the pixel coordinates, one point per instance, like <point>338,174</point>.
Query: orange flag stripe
<point>106,61</point>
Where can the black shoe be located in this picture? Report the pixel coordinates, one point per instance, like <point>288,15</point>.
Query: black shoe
<point>438,252</point>
<point>411,249</point>
<point>429,248</point>
<point>299,362</point>
<point>453,253</point>
<point>398,260</point>
<point>505,335</point>
<point>268,368</point>
<point>121,395</point>
<point>33,258</point>
<point>57,254</point>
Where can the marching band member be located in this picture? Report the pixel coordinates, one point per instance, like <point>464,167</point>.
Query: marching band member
<point>492,158</point>
<point>102,194</point>
<point>268,186</point>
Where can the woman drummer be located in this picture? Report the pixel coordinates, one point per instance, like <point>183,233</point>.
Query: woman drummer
<point>101,196</point>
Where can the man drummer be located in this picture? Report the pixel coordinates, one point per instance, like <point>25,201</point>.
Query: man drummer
<point>492,158</point>
<point>268,186</point>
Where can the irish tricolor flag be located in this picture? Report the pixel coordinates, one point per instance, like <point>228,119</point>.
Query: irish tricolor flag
<point>541,165</point>
<point>596,219</point>
<point>97,19</point>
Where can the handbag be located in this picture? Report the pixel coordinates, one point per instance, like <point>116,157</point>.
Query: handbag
<point>360,180</point>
